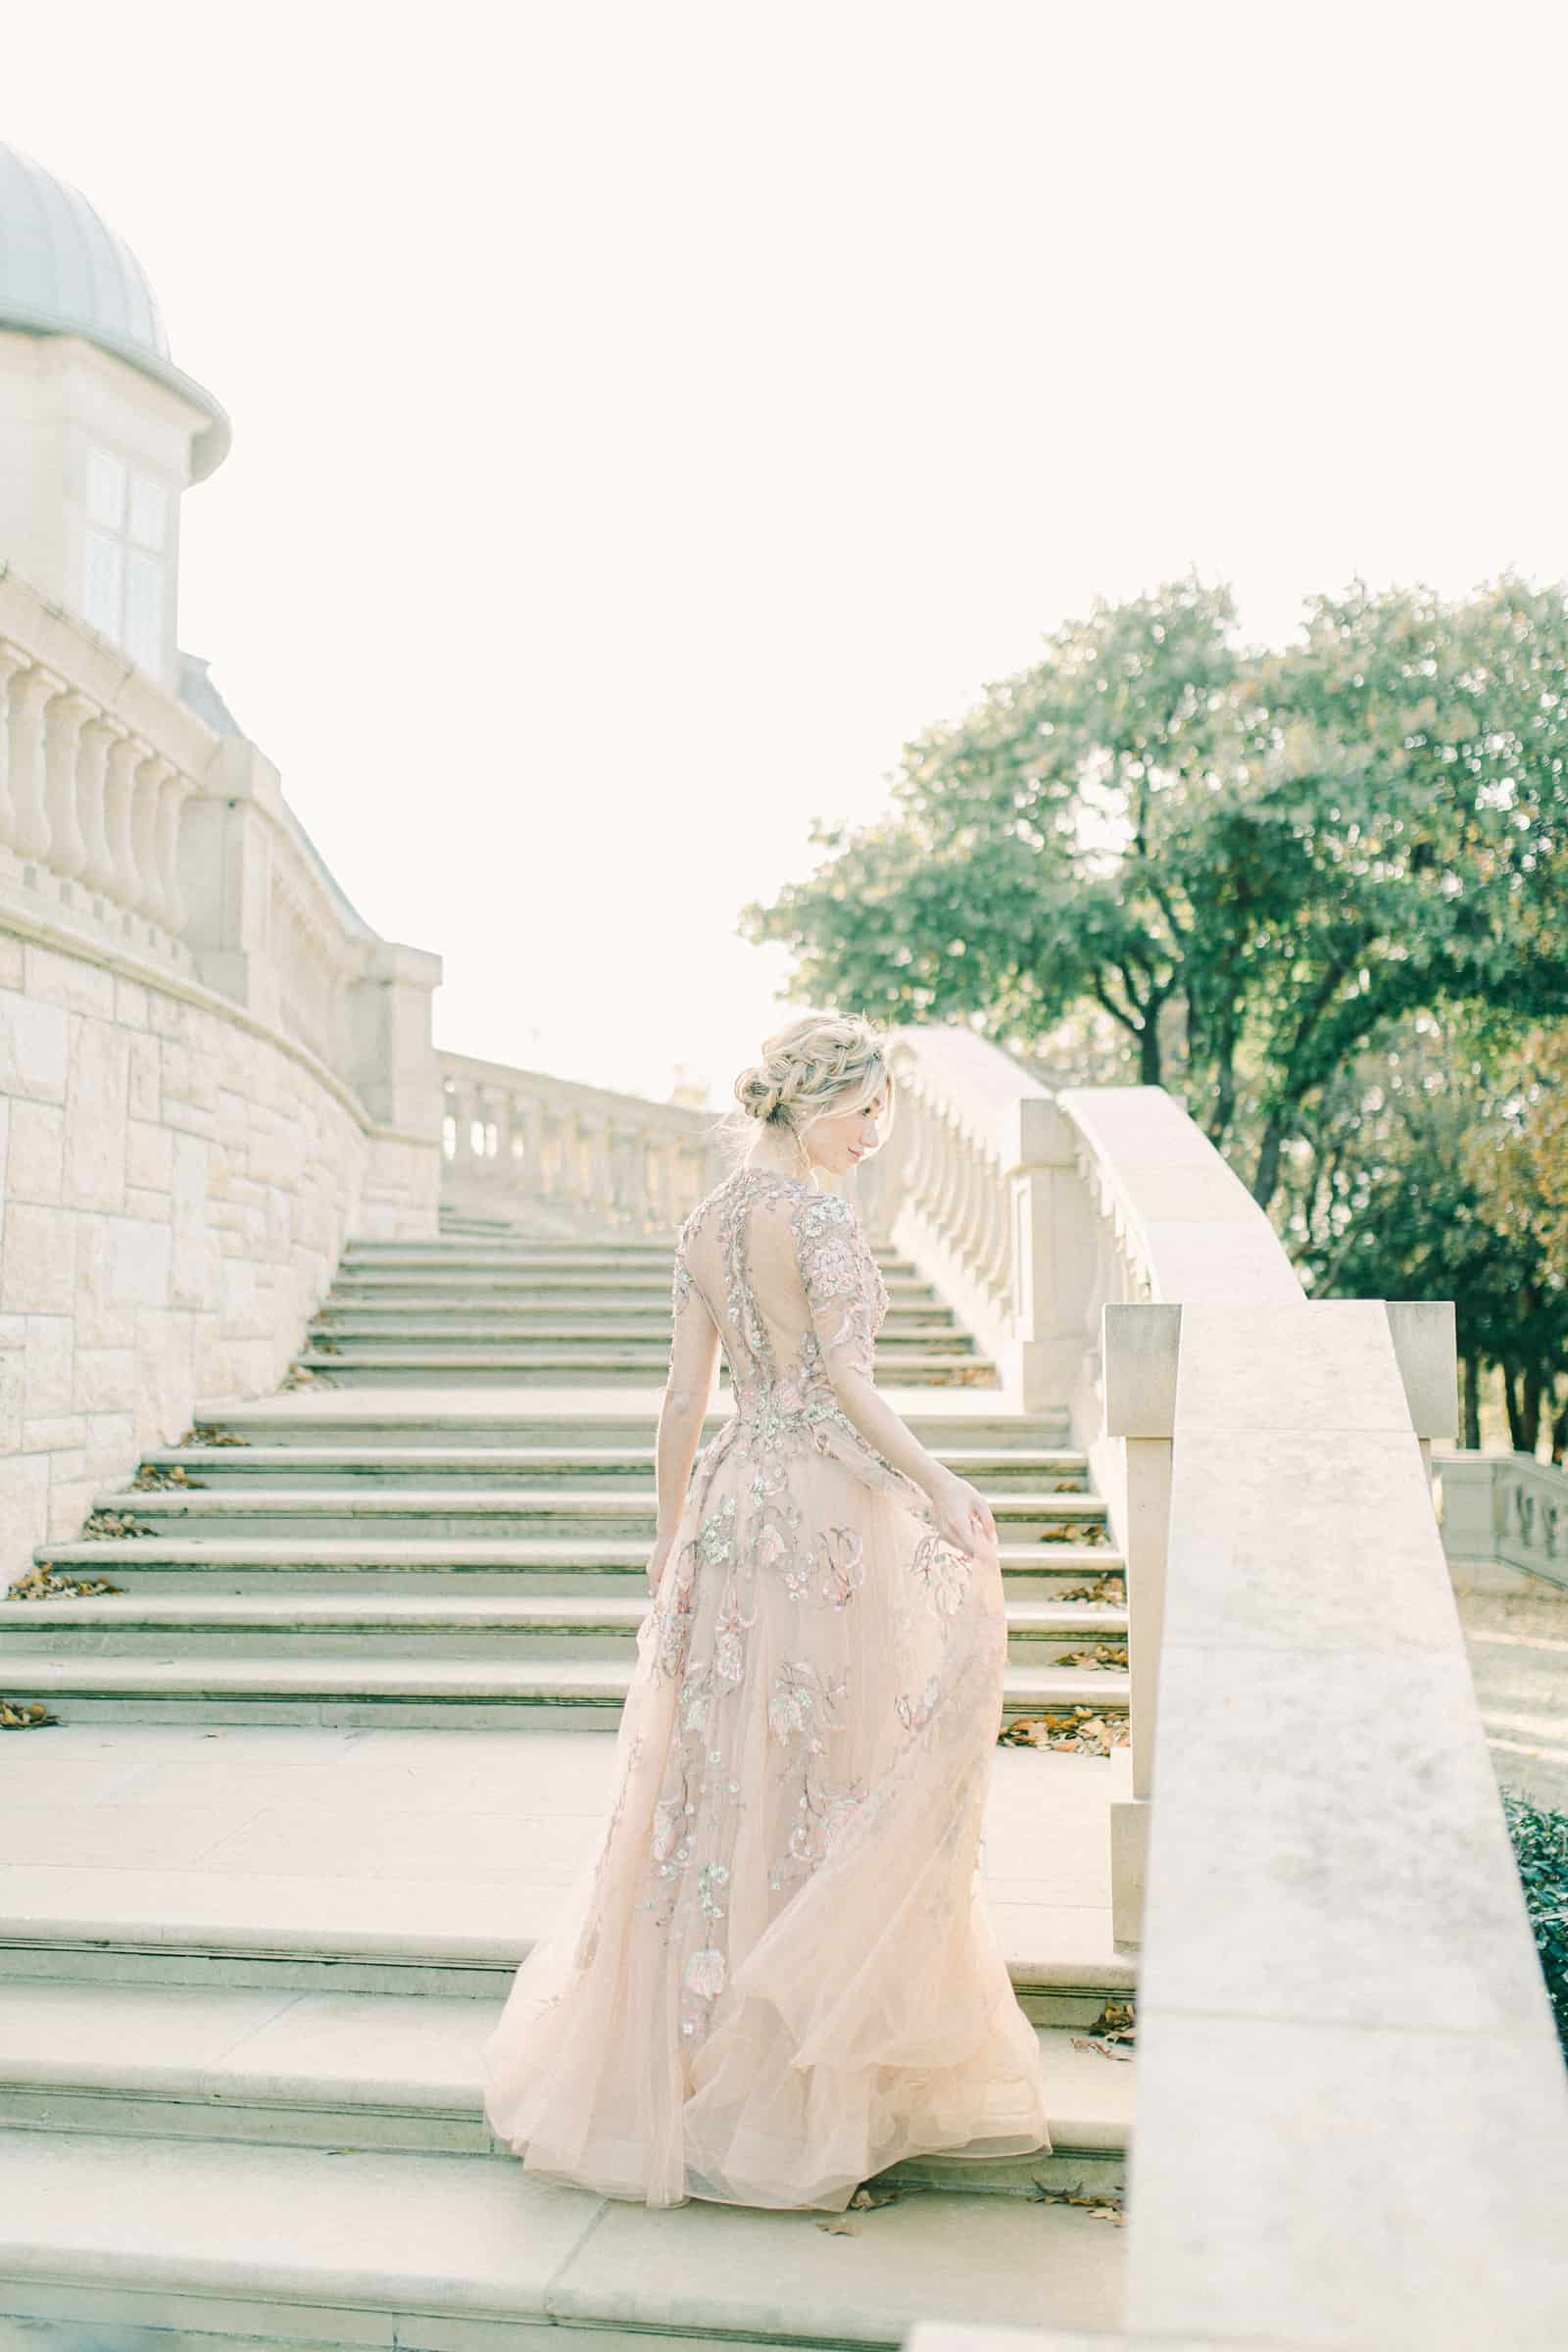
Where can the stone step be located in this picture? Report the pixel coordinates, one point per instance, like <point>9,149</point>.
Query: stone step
<point>543,1257</point>
<point>650,1285</point>
<point>517,1565</point>
<point>458,1512</point>
<point>357,2071</point>
<point>541,1417</point>
<point>563,1322</point>
<point>636,1295</point>
<point>619,1469</point>
<point>515,1365</point>
<point>575,1693</point>
<point>275,1625</point>
<point>431,1859</point>
<point>247,2245</point>
<point>401,1334</point>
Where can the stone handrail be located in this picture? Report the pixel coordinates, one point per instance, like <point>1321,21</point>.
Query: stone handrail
<point>1030,1209</point>
<point>566,1157</point>
<point>1352,2114</point>
<point>128,825</point>
<point>1504,1515</point>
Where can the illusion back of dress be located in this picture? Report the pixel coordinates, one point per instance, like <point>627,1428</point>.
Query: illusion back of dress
<point>784,1272</point>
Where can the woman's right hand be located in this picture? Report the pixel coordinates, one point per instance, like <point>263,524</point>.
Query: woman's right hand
<point>963,1515</point>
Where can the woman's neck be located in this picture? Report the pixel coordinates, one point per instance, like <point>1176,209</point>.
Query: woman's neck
<point>770,1159</point>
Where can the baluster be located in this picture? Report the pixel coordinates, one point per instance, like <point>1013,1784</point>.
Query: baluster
<point>600,1188</point>
<point>175,789</point>
<point>66,715</point>
<point>533,1143</point>
<point>978,1186</point>
<point>997,1265</point>
<point>97,740</point>
<point>473,1129</point>
<point>145,784</point>
<point>628,1194</point>
<point>126,885</point>
<point>31,695</point>
<point>931,1164</point>
<point>12,665</point>
<point>951,1176</point>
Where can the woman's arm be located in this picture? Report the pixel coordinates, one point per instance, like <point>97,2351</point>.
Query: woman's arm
<point>828,1246</point>
<point>683,1407</point>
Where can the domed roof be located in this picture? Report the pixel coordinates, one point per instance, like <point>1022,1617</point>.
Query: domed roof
<point>63,272</point>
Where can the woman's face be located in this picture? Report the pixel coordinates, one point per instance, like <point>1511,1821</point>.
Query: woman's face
<point>836,1142</point>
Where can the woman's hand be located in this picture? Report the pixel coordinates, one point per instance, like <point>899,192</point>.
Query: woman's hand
<point>656,1566</point>
<point>963,1515</point>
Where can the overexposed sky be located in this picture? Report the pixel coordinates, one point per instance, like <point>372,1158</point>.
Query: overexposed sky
<point>648,416</point>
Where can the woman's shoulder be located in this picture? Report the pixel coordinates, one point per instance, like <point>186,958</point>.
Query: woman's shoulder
<point>823,1217</point>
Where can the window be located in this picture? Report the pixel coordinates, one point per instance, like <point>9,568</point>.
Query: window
<point>143,633</point>
<point>123,568</point>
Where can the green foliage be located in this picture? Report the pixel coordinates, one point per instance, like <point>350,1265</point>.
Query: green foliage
<point>1254,864</point>
<point>1540,1848</point>
<point>1031,857</point>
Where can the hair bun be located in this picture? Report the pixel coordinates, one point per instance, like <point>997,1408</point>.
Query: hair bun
<point>758,1091</point>
<point>819,1064</point>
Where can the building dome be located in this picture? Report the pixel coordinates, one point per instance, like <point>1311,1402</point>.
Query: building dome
<point>63,272</point>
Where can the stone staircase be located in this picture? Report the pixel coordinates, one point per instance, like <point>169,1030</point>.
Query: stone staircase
<point>322,1776</point>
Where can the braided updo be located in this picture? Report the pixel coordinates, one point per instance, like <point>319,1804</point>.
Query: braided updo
<point>825,1062</point>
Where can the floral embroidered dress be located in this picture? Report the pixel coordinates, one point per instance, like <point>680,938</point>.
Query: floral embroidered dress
<point>778,1973</point>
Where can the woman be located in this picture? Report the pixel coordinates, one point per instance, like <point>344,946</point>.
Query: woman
<point>778,1976</point>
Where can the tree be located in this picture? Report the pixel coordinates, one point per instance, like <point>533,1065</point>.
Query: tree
<point>1030,860</point>
<point>1256,864</point>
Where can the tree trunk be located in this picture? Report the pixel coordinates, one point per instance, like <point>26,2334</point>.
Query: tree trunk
<point>1511,1404</point>
<point>1149,1047</point>
<point>1559,1432</point>
<point>1265,1180</point>
<point>1470,1370</point>
<point>1529,1407</point>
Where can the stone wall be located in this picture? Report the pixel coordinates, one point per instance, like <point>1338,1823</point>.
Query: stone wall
<point>179,1180</point>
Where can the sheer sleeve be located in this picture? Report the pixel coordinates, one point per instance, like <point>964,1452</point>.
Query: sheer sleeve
<point>693,1333</point>
<point>831,1254</point>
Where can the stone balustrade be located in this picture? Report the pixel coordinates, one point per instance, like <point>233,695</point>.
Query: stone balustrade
<point>213,1072</point>
<point>127,823</point>
<point>570,1159</point>
<point>96,767</point>
<point>1504,1519</point>
<point>1351,2113</point>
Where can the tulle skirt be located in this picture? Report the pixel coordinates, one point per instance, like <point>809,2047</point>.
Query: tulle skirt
<point>777,1973</point>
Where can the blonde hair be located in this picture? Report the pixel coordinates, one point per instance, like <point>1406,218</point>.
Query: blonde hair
<point>819,1066</point>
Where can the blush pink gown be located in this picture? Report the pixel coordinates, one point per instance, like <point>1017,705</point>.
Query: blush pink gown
<point>779,1973</point>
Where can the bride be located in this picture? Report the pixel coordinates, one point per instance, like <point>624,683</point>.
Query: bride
<point>778,1975</point>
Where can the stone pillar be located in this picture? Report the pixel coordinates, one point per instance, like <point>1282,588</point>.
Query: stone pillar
<point>1052,1253</point>
<point>393,1067</point>
<point>1140,1349</point>
<point>227,879</point>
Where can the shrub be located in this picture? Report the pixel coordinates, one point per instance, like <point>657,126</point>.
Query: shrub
<point>1541,1849</point>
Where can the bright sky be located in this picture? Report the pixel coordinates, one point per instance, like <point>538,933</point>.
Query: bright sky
<point>647,417</point>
